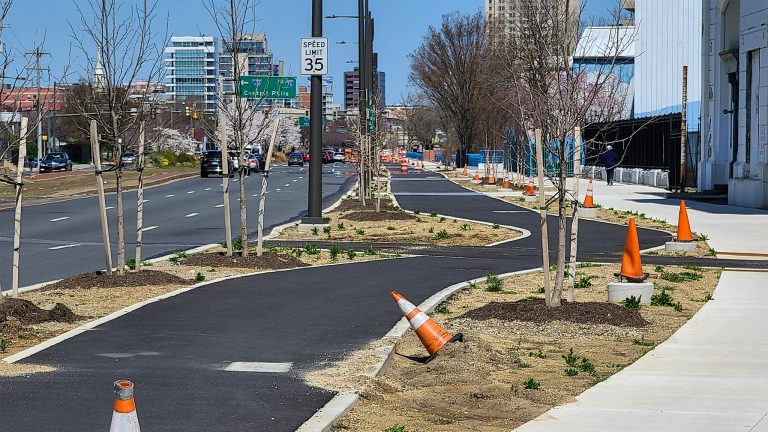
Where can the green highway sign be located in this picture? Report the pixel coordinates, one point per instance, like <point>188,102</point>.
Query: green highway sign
<point>267,87</point>
<point>304,121</point>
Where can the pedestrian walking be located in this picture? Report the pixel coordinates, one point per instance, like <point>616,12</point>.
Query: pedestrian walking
<point>610,161</point>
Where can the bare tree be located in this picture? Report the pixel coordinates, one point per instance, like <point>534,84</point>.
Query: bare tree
<point>448,69</point>
<point>544,91</point>
<point>119,42</point>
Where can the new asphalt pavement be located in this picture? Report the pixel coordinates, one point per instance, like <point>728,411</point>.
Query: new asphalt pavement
<point>176,350</point>
<point>64,238</point>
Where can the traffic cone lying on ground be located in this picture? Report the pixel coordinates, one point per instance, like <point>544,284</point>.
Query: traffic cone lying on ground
<point>464,173</point>
<point>530,190</point>
<point>589,201</point>
<point>124,418</point>
<point>683,226</point>
<point>477,175</point>
<point>431,335</point>
<point>631,267</point>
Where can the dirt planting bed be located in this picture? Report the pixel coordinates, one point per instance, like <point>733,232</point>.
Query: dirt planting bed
<point>268,261</point>
<point>517,360</point>
<point>129,279</point>
<point>27,313</point>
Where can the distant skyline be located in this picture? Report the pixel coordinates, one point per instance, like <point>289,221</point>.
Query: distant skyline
<point>400,27</point>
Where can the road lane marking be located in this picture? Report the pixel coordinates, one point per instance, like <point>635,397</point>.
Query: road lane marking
<point>144,201</point>
<point>208,189</point>
<point>109,208</point>
<point>278,190</point>
<point>191,215</point>
<point>170,196</point>
<point>219,206</point>
<point>295,180</point>
<point>150,228</point>
<point>64,246</point>
<point>511,211</point>
<point>260,367</point>
<point>60,219</point>
<point>287,185</point>
<point>191,192</point>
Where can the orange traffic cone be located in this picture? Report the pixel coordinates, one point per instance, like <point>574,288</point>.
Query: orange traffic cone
<point>530,190</point>
<point>464,173</point>
<point>124,418</point>
<point>431,335</point>
<point>683,226</point>
<point>505,183</point>
<point>477,175</point>
<point>631,267</point>
<point>589,199</point>
<point>491,179</point>
<point>403,167</point>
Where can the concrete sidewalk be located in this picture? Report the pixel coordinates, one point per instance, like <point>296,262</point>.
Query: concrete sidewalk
<point>731,231</point>
<point>711,375</point>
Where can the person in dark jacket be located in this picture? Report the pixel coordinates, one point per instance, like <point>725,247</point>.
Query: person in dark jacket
<point>610,160</point>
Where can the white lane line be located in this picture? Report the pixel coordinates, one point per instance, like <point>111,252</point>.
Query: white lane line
<point>208,189</point>
<point>64,246</point>
<point>170,196</point>
<point>258,367</point>
<point>510,211</point>
<point>150,228</point>
<point>219,206</point>
<point>144,201</point>
<point>234,180</point>
<point>191,215</point>
<point>287,185</point>
<point>278,190</point>
<point>300,178</point>
<point>109,208</point>
<point>191,192</point>
<point>295,180</point>
<point>60,219</point>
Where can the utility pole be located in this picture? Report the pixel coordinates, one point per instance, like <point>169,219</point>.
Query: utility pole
<point>315,208</point>
<point>38,106</point>
<point>362,16</point>
<point>683,129</point>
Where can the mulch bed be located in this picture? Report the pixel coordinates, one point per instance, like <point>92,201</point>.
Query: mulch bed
<point>268,261</point>
<point>354,205</point>
<point>26,312</point>
<point>372,216</point>
<point>537,311</point>
<point>129,279</point>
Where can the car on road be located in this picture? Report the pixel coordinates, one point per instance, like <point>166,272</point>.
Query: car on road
<point>210,163</point>
<point>327,156</point>
<point>306,156</point>
<point>339,157</point>
<point>128,158</point>
<point>256,162</point>
<point>56,161</point>
<point>296,158</point>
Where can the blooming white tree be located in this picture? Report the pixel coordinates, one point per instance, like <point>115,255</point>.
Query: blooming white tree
<point>288,134</point>
<point>175,141</point>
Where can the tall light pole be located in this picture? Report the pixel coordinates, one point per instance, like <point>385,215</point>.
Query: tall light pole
<point>315,207</point>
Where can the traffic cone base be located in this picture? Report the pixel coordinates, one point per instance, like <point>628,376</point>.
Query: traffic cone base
<point>530,190</point>
<point>477,175</point>
<point>589,199</point>
<point>431,335</point>
<point>631,266</point>
<point>464,173</point>
<point>684,233</point>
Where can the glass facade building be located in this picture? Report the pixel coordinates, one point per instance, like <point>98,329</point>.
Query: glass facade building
<point>192,71</point>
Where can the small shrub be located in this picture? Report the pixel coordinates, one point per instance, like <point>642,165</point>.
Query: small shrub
<point>659,269</point>
<point>360,231</point>
<point>442,309</point>
<point>369,251</point>
<point>692,268</point>
<point>335,251</point>
<point>433,214</point>
<point>390,228</point>
<point>315,231</point>
<point>298,252</point>
<point>707,297</point>
<point>466,227</point>
<point>493,283</point>
<point>3,345</point>
<point>537,354</point>
<point>351,254</point>
<point>131,264</point>
<point>661,299</point>
<point>311,249</point>
<point>340,227</point>
<point>417,211</point>
<point>472,285</point>
<point>495,226</point>
<point>570,358</point>
<point>587,265</point>
<point>681,277</point>
<point>587,366</point>
<point>522,365</point>
<point>571,372</point>
<point>531,384</point>
<point>643,342</point>
<point>146,264</point>
<point>431,230</point>
<point>539,290</point>
<point>441,220</point>
<point>442,235</point>
<point>631,302</point>
<point>584,281</point>
<point>199,277</point>
<point>711,252</point>
<point>237,245</point>
<point>179,258</point>
<point>702,237</point>
<point>327,231</point>
<point>395,428</point>
<point>678,307</point>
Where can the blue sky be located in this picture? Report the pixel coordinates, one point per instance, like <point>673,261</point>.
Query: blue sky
<point>400,26</point>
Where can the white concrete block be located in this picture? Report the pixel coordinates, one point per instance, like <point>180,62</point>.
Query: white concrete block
<point>588,212</point>
<point>618,291</point>
<point>309,227</point>
<point>531,198</point>
<point>675,246</point>
<point>475,182</point>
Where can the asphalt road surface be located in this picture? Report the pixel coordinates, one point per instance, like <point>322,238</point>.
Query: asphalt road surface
<point>176,351</point>
<point>64,238</point>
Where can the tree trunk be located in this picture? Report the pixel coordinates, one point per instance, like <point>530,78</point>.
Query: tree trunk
<point>243,209</point>
<point>543,219</point>
<point>561,222</point>
<point>225,182</point>
<point>140,198</point>
<point>575,217</point>
<point>120,220</point>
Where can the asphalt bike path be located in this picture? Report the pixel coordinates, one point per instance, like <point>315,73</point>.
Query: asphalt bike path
<point>64,238</point>
<point>175,350</point>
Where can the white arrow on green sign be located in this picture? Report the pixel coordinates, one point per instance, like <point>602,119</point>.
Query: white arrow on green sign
<point>267,87</point>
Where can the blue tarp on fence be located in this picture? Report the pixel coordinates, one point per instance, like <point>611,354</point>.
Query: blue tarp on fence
<point>414,155</point>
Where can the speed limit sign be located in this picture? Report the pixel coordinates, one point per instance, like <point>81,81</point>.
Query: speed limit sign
<point>314,56</point>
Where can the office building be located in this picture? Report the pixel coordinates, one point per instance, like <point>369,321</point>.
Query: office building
<point>192,70</point>
<point>254,59</point>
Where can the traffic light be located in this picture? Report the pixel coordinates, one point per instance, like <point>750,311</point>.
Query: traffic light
<point>335,114</point>
<point>266,112</point>
<point>306,112</point>
<point>187,111</point>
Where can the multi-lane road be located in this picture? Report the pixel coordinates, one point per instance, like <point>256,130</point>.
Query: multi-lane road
<point>64,238</point>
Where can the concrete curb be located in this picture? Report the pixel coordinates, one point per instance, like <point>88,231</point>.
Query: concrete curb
<point>329,415</point>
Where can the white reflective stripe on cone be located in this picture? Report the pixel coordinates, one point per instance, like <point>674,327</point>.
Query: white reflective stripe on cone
<point>418,320</point>
<point>406,306</point>
<point>122,422</point>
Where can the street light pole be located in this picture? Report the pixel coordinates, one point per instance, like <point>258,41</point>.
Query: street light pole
<point>315,207</point>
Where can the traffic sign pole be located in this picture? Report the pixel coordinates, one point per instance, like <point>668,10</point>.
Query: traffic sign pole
<point>315,205</point>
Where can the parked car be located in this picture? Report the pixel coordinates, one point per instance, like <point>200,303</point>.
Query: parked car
<point>256,162</point>
<point>327,156</point>
<point>210,163</point>
<point>128,158</point>
<point>296,158</point>
<point>339,157</point>
<point>306,156</point>
<point>235,158</point>
<point>56,161</point>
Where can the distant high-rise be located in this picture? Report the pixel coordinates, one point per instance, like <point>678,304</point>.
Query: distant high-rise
<point>381,84</point>
<point>505,14</point>
<point>192,70</point>
<point>255,59</point>
<point>351,90</point>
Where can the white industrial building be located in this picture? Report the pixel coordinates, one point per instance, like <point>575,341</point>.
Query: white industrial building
<point>735,91</point>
